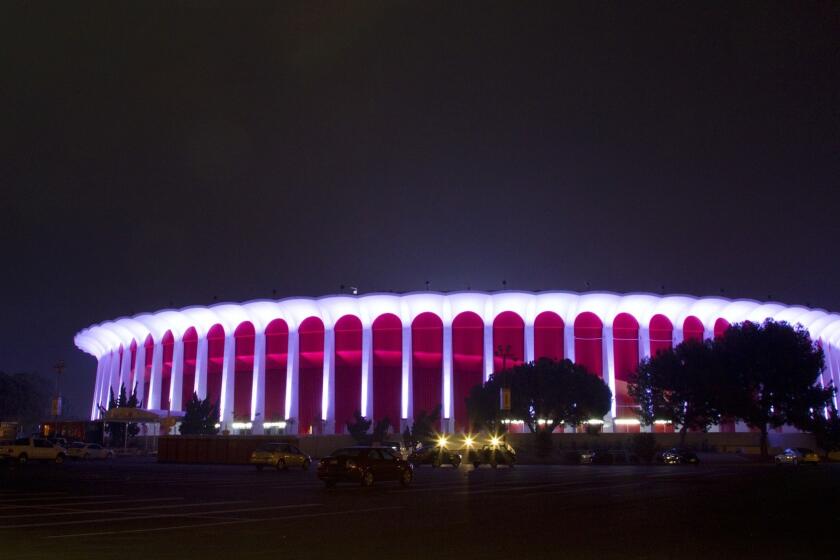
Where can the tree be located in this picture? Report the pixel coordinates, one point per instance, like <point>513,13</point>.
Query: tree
<point>680,385</point>
<point>542,394</point>
<point>381,429</point>
<point>359,427</point>
<point>117,433</point>
<point>826,429</point>
<point>424,428</point>
<point>201,417</point>
<point>24,398</point>
<point>769,376</point>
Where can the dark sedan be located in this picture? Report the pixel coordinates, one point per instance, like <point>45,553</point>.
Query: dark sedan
<point>434,455</point>
<point>678,456</point>
<point>364,465</point>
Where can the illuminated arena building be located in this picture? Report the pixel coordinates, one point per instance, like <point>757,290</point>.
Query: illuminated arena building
<point>305,365</point>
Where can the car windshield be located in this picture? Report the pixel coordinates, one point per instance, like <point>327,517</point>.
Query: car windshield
<point>77,445</point>
<point>347,452</point>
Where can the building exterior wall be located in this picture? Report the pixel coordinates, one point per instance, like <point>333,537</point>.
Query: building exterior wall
<point>397,355</point>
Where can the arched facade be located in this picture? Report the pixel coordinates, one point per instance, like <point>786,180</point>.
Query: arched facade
<point>313,362</point>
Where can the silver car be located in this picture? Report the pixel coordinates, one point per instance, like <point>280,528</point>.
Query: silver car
<point>80,450</point>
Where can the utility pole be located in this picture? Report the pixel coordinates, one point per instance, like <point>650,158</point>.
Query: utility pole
<point>56,404</point>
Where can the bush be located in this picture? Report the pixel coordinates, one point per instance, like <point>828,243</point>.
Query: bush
<point>542,443</point>
<point>644,446</point>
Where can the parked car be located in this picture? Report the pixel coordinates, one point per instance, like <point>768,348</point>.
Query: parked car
<point>397,447</point>
<point>34,449</point>
<point>797,456</point>
<point>81,450</point>
<point>434,455</point>
<point>364,465</point>
<point>615,457</point>
<point>496,452</point>
<point>586,457</point>
<point>280,456</point>
<point>678,456</point>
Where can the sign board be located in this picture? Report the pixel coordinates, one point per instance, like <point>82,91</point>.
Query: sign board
<point>504,399</point>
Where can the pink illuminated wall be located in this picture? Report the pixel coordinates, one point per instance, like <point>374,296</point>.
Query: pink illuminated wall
<point>147,369</point>
<point>693,329</point>
<point>276,356</point>
<point>626,359</point>
<point>467,360</point>
<point>168,343</point>
<point>661,333</point>
<point>311,372</point>
<point>727,424</point>
<point>548,336</point>
<point>387,368</point>
<point>508,331</point>
<point>130,383</point>
<point>243,374</point>
<point>348,370</point>
<point>588,343</point>
<point>427,362</point>
<point>190,353</point>
<point>720,327</point>
<point>215,357</point>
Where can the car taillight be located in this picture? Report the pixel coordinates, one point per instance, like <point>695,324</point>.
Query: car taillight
<point>350,464</point>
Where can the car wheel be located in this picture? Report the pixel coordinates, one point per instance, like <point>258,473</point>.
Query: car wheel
<point>494,464</point>
<point>86,456</point>
<point>59,458</point>
<point>435,463</point>
<point>476,464</point>
<point>281,465</point>
<point>368,478</point>
<point>109,456</point>
<point>456,462</point>
<point>23,458</point>
<point>406,477</point>
<point>306,463</point>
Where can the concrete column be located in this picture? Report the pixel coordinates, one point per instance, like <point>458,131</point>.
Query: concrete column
<point>258,384</point>
<point>125,371</point>
<point>448,420</point>
<point>569,341</point>
<point>367,372</point>
<point>155,381</point>
<point>140,372</point>
<point>200,387</point>
<point>489,349</point>
<point>94,409</point>
<point>176,379</point>
<point>529,343</point>
<point>328,392</point>
<point>407,392</point>
<point>292,379</point>
<point>644,343</point>
<point>228,371</point>
<point>115,373</point>
<point>607,353</point>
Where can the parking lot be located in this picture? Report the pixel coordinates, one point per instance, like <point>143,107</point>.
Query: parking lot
<point>136,508</point>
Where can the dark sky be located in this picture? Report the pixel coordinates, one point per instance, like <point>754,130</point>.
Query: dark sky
<point>172,153</point>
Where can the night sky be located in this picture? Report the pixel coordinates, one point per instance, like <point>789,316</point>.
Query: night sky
<point>175,153</point>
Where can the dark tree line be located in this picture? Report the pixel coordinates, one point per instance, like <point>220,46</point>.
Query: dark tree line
<point>24,398</point>
<point>117,430</point>
<point>765,375</point>
<point>542,394</point>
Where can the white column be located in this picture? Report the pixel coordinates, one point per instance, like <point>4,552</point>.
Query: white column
<point>488,350</point>
<point>176,376</point>
<point>529,343</point>
<point>105,386</point>
<point>447,378</point>
<point>607,353</point>
<point>677,336</point>
<point>569,341</point>
<point>200,383</point>
<point>94,409</point>
<point>140,372</point>
<point>292,379</point>
<point>114,377</point>
<point>644,343</point>
<point>258,384</point>
<point>228,371</point>
<point>407,392</point>
<point>125,371</point>
<point>155,380</point>
<point>328,392</point>
<point>367,372</point>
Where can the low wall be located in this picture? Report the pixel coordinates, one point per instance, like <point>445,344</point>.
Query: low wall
<point>236,450</point>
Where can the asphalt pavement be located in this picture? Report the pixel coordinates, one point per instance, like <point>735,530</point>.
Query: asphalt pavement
<point>137,508</point>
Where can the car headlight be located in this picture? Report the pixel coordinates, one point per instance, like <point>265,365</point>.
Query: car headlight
<point>469,442</point>
<point>350,464</point>
<point>442,441</point>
